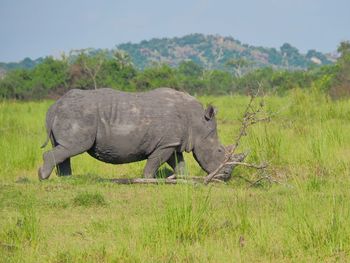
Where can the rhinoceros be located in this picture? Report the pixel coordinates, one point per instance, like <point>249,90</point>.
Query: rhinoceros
<point>121,127</point>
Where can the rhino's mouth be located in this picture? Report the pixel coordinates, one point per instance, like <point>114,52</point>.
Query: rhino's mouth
<point>226,171</point>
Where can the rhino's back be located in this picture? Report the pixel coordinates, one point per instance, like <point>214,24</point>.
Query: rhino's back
<point>117,107</point>
<point>104,97</point>
<point>130,126</point>
<point>164,98</point>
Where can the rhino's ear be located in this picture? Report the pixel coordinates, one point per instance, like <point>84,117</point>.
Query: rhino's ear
<point>210,113</point>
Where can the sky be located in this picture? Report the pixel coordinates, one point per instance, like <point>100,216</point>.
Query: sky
<point>36,28</point>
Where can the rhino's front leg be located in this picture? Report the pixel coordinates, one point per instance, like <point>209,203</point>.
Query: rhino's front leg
<point>177,162</point>
<point>155,160</point>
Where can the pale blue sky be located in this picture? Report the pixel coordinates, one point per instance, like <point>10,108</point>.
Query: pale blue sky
<point>34,28</point>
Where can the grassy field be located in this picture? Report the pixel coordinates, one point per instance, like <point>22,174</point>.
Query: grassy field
<point>82,218</point>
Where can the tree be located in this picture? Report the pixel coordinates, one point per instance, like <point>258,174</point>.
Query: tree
<point>35,83</point>
<point>344,49</point>
<point>122,58</point>
<point>116,74</point>
<point>218,82</point>
<point>91,62</point>
<point>292,57</point>
<point>49,74</point>
<point>15,84</point>
<point>155,77</point>
<point>341,82</point>
<point>190,69</point>
<point>237,65</point>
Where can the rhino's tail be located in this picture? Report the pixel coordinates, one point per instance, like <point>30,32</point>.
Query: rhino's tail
<point>46,142</point>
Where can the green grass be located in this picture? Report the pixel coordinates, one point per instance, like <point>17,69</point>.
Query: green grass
<point>85,219</point>
<point>89,199</point>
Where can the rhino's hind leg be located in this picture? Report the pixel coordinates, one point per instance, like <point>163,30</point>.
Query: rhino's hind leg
<point>64,168</point>
<point>177,162</point>
<point>53,157</point>
<point>155,160</point>
<point>59,156</point>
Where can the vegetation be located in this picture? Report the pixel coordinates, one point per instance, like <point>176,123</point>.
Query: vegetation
<point>195,63</point>
<point>84,218</point>
<point>341,74</point>
<point>89,70</point>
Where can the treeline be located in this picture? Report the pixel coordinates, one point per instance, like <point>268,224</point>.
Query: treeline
<point>84,70</point>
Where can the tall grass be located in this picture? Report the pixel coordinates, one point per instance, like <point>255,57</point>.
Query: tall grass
<point>21,232</point>
<point>185,219</point>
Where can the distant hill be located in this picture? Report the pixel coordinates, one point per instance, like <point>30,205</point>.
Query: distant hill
<point>213,51</point>
<point>209,51</point>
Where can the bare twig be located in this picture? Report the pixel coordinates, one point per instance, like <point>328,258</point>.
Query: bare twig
<point>265,177</point>
<point>145,181</point>
<point>250,165</point>
<point>249,118</point>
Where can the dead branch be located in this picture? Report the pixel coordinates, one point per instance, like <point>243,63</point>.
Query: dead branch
<point>198,179</point>
<point>181,180</point>
<point>250,165</point>
<point>251,116</point>
<point>248,119</point>
<point>145,181</point>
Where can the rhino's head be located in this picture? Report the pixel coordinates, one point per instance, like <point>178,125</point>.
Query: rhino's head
<point>207,149</point>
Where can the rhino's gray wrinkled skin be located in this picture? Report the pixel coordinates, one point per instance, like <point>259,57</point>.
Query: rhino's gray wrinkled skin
<point>119,127</point>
